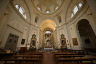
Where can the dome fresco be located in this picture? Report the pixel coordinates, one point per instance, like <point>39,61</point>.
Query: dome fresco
<point>47,6</point>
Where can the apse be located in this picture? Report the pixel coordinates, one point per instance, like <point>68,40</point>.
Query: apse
<point>48,24</point>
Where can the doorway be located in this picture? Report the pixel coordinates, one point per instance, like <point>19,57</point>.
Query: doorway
<point>87,34</point>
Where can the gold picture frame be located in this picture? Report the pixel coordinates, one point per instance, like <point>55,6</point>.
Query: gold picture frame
<point>75,42</point>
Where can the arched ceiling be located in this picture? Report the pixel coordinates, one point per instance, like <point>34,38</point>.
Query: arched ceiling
<point>61,11</point>
<point>47,6</point>
<point>48,24</point>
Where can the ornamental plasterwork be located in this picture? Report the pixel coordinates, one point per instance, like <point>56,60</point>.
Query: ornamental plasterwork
<point>47,6</point>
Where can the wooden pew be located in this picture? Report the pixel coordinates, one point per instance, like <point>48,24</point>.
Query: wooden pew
<point>76,60</point>
<point>68,56</point>
<point>28,56</point>
<point>65,54</point>
<point>80,52</point>
<point>75,51</point>
<point>23,59</point>
<point>73,58</point>
<point>6,55</point>
<point>62,59</point>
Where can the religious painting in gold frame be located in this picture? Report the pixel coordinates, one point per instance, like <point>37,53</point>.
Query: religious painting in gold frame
<point>75,42</point>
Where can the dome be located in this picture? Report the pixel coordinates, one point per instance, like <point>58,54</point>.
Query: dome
<point>47,6</point>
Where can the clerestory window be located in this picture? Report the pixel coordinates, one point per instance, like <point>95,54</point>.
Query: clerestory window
<point>76,9</point>
<point>21,10</point>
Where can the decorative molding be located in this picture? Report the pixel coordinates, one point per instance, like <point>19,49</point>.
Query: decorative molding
<point>14,28</point>
<point>85,7</point>
<point>12,5</point>
<point>52,14</point>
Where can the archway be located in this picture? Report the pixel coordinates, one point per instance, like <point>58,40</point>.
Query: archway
<point>87,34</point>
<point>47,29</point>
<point>48,24</point>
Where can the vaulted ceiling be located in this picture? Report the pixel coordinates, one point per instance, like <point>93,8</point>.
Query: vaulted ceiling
<point>50,9</point>
<point>47,6</point>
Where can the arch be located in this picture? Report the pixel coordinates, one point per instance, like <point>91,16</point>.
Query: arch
<point>87,34</point>
<point>46,24</point>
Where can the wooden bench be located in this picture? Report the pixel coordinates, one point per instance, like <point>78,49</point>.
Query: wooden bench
<point>23,59</point>
<point>73,58</point>
<point>27,56</point>
<point>68,56</point>
<point>74,51</point>
<point>76,60</point>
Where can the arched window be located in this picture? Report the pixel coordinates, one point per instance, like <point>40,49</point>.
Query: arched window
<point>21,10</point>
<point>80,4</point>
<point>47,32</point>
<point>38,8</point>
<point>76,8</point>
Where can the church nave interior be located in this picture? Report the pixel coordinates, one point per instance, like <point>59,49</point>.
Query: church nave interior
<point>47,32</point>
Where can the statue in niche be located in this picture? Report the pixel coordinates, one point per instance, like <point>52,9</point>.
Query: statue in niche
<point>62,36</point>
<point>33,41</point>
<point>63,41</point>
<point>33,36</point>
<point>47,35</point>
